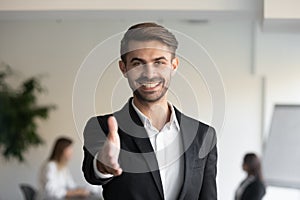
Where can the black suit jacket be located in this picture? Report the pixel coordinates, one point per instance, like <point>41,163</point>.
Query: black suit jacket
<point>256,190</point>
<point>140,179</point>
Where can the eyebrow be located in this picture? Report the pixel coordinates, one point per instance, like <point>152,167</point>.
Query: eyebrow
<point>160,58</point>
<point>144,61</point>
<point>137,59</point>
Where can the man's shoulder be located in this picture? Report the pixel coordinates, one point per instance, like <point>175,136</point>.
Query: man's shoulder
<point>202,134</point>
<point>181,117</point>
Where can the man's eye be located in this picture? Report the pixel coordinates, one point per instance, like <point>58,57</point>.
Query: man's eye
<point>136,64</point>
<point>158,63</point>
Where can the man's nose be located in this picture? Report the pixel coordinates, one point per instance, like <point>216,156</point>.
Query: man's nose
<point>149,70</point>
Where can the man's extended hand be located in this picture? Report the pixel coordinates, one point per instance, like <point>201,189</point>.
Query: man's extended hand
<point>107,161</point>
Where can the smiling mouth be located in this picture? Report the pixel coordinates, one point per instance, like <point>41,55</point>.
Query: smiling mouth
<point>150,85</point>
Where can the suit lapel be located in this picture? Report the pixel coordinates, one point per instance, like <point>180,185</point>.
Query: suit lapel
<point>131,124</point>
<point>145,146</point>
<point>188,131</point>
<point>188,164</point>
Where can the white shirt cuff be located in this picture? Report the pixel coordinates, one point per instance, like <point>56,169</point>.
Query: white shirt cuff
<point>97,172</point>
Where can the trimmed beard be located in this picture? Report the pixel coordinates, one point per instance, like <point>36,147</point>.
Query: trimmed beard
<point>145,99</point>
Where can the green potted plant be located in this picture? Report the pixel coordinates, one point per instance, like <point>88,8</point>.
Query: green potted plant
<point>18,114</point>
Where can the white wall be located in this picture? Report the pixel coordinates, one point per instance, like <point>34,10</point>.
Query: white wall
<point>277,59</point>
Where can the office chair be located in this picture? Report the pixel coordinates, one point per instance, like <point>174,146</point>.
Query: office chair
<point>28,191</point>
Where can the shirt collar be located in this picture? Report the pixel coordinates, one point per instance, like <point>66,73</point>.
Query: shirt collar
<point>144,118</point>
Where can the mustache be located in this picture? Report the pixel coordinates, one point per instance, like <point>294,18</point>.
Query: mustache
<point>144,79</point>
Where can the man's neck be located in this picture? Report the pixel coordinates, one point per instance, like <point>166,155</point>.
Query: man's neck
<point>157,112</point>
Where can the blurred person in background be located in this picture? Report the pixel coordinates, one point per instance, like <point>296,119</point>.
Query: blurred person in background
<point>55,180</point>
<point>252,188</point>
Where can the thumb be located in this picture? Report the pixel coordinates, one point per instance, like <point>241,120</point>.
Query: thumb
<point>113,135</point>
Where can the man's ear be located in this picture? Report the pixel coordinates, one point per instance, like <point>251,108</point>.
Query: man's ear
<point>175,63</point>
<point>122,67</point>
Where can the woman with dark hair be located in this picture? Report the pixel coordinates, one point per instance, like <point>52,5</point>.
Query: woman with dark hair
<point>252,188</point>
<point>56,181</point>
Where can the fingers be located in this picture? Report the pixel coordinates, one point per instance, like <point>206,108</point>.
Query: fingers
<point>113,135</point>
<point>113,169</point>
<point>111,148</point>
<point>109,155</point>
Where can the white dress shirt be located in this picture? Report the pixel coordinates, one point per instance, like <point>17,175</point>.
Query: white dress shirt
<point>170,161</point>
<point>54,182</point>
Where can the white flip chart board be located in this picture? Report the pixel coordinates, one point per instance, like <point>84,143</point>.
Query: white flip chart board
<point>281,157</point>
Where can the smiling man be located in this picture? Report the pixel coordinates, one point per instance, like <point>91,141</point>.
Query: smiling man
<point>149,150</point>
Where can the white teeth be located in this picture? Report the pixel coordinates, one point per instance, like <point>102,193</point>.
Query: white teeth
<point>150,85</point>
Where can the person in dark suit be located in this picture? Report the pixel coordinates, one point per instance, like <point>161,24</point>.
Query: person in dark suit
<point>149,150</point>
<point>252,188</point>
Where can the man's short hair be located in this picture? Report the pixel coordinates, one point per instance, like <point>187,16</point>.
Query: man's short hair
<point>147,32</point>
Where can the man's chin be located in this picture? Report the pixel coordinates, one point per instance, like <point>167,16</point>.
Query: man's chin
<point>151,98</point>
